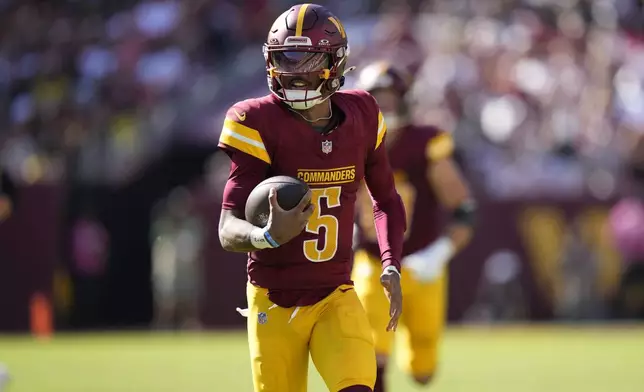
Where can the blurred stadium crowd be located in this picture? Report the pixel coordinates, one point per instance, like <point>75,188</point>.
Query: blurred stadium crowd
<point>543,94</point>
<point>545,98</point>
<point>97,89</point>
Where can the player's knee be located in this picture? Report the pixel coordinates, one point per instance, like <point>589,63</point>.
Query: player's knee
<point>356,388</point>
<point>423,379</point>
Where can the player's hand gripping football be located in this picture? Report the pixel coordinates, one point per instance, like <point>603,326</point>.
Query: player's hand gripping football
<point>284,225</point>
<point>390,280</point>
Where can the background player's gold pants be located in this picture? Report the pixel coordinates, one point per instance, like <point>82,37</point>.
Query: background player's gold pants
<point>335,331</point>
<point>422,321</point>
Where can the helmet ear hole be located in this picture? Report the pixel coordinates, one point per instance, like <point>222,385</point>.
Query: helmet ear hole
<point>342,81</point>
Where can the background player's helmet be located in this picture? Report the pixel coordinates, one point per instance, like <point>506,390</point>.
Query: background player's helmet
<point>306,53</point>
<point>383,76</point>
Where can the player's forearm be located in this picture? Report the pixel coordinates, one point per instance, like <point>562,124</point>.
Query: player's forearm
<point>454,194</point>
<point>461,228</point>
<point>235,235</point>
<point>460,235</point>
<point>238,235</point>
<point>456,237</point>
<point>388,209</point>
<point>390,222</point>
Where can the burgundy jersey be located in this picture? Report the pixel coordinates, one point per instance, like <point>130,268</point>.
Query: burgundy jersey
<point>410,155</point>
<point>264,139</point>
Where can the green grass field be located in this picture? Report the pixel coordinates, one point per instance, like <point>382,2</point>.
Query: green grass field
<point>591,359</point>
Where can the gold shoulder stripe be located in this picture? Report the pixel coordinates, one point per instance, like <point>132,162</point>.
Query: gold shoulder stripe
<point>244,139</point>
<point>382,130</point>
<point>300,20</point>
<point>440,147</point>
<point>338,26</point>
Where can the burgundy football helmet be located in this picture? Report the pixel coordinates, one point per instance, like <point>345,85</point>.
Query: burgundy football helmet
<point>306,54</point>
<point>382,75</point>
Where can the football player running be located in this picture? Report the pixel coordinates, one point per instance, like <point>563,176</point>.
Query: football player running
<point>428,181</point>
<point>300,295</point>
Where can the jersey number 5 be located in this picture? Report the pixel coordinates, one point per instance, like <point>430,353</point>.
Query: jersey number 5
<point>312,249</point>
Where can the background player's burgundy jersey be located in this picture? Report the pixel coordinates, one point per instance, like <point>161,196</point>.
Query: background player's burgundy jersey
<point>264,139</point>
<point>410,155</point>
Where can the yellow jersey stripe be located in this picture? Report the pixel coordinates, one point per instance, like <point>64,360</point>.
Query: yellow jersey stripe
<point>300,20</point>
<point>243,130</point>
<point>382,129</point>
<point>232,138</point>
<point>440,147</point>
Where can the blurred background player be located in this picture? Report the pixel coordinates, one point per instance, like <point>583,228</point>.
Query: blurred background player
<point>428,181</point>
<point>300,295</point>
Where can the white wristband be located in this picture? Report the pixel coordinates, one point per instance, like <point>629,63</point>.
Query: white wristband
<point>391,268</point>
<point>258,239</point>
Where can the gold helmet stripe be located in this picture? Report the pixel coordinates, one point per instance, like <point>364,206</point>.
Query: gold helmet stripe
<point>338,25</point>
<point>300,20</point>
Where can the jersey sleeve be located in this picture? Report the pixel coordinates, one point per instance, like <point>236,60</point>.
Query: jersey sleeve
<point>240,132</point>
<point>439,147</point>
<point>241,140</point>
<point>375,126</point>
<point>388,209</point>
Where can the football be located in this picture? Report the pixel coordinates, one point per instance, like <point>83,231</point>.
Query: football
<point>289,193</point>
